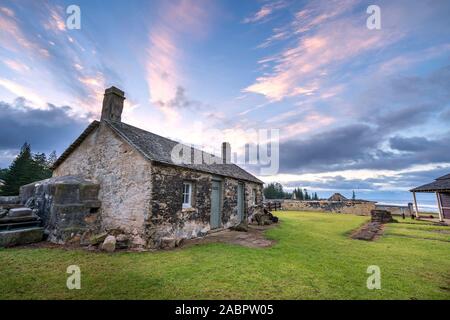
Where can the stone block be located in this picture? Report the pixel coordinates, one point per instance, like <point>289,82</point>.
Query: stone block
<point>9,200</point>
<point>381,216</point>
<point>16,237</point>
<point>20,212</point>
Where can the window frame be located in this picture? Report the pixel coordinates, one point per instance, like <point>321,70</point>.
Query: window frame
<point>187,205</point>
<point>254,191</point>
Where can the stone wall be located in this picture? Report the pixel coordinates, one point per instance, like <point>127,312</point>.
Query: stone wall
<point>67,206</point>
<point>168,218</point>
<point>124,176</point>
<point>397,210</point>
<point>349,207</point>
<point>143,199</point>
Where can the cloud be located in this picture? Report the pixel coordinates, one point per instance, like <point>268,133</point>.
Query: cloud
<point>333,149</point>
<point>46,129</point>
<point>297,69</point>
<point>165,77</point>
<point>13,38</point>
<point>23,91</point>
<point>180,101</point>
<point>265,11</point>
<point>16,65</point>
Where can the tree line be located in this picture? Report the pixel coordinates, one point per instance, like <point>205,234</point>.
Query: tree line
<point>275,191</point>
<point>27,167</point>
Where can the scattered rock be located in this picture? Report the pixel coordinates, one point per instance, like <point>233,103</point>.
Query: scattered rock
<point>179,242</point>
<point>109,244</point>
<point>243,227</point>
<point>99,238</point>
<point>168,243</point>
<point>122,241</point>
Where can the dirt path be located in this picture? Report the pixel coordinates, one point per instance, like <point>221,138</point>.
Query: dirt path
<point>254,238</point>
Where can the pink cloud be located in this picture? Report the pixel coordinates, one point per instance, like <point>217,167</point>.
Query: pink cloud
<point>298,70</point>
<point>13,38</point>
<point>178,20</point>
<point>265,11</point>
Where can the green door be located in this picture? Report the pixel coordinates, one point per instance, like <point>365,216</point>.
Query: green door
<point>240,201</point>
<point>215,204</point>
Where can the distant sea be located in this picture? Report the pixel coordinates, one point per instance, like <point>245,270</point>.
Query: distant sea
<point>425,205</point>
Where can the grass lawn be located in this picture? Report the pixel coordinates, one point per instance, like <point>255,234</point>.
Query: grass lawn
<point>313,259</point>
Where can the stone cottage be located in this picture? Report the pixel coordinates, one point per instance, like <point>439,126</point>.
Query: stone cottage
<point>144,193</point>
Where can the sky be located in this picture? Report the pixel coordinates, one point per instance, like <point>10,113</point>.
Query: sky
<point>356,108</point>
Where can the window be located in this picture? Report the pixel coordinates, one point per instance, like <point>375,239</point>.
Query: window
<point>187,195</point>
<point>253,196</point>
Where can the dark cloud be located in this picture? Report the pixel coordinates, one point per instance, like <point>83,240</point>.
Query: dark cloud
<point>405,181</point>
<point>376,142</point>
<point>358,147</point>
<point>411,144</point>
<point>51,129</point>
<point>330,150</point>
<point>180,101</point>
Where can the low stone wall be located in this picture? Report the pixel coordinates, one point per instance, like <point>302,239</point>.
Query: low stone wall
<point>397,210</point>
<point>357,207</point>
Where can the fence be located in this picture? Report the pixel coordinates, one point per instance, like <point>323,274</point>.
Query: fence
<point>273,205</point>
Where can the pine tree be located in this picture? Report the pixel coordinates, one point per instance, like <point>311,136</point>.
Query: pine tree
<point>353,195</point>
<point>300,194</point>
<point>25,168</point>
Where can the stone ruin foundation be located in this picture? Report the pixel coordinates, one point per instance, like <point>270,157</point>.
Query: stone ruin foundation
<point>63,210</point>
<point>370,231</point>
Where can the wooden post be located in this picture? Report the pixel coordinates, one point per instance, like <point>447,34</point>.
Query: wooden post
<point>415,205</point>
<point>441,218</point>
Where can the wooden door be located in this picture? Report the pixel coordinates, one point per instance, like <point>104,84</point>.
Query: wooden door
<point>216,205</point>
<point>240,202</point>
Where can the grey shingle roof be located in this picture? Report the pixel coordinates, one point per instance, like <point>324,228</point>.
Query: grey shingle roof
<point>440,184</point>
<point>159,149</point>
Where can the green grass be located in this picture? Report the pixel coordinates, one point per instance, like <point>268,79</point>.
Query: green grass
<point>313,259</point>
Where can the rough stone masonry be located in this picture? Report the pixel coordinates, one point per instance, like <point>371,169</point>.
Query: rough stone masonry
<point>141,194</point>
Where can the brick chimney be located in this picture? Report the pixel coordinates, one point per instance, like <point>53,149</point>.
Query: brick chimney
<point>113,104</point>
<point>226,152</point>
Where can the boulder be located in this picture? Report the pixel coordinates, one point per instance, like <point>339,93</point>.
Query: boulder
<point>109,245</point>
